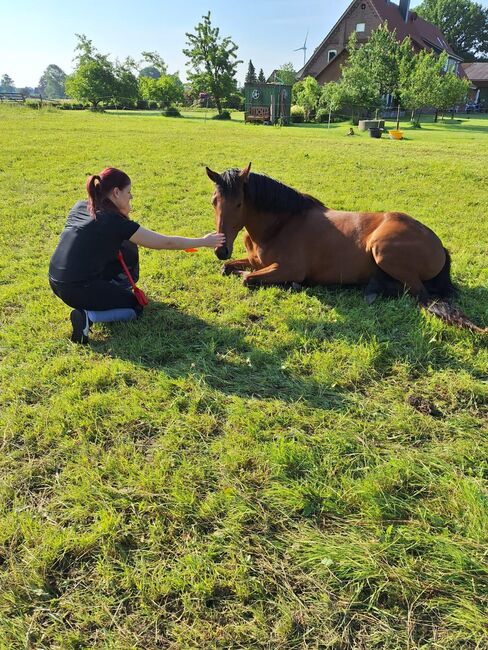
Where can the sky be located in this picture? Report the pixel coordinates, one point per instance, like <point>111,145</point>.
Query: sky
<point>34,34</point>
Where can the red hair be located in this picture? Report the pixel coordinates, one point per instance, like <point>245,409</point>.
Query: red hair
<point>99,186</point>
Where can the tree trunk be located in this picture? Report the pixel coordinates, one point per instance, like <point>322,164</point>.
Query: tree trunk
<point>436,116</point>
<point>218,104</point>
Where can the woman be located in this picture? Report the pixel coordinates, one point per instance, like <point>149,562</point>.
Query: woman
<point>84,270</point>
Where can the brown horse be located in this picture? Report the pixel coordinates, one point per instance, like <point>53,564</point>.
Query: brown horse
<point>293,239</point>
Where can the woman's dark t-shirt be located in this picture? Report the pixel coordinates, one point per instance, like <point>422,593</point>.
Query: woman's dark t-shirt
<point>88,245</point>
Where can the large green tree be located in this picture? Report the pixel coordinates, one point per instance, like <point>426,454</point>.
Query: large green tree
<point>167,89</point>
<point>464,23</point>
<point>51,84</point>
<point>420,82</point>
<point>97,79</point>
<point>212,61</point>
<point>94,77</point>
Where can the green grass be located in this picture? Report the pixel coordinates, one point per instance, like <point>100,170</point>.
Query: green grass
<point>240,469</point>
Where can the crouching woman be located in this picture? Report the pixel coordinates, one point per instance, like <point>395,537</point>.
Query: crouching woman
<point>85,272</point>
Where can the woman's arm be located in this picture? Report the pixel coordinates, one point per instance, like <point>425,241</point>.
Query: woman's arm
<point>150,239</point>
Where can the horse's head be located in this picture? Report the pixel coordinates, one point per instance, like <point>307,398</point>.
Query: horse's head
<point>228,201</point>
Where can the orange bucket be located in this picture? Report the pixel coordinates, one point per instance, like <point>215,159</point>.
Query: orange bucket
<point>396,135</point>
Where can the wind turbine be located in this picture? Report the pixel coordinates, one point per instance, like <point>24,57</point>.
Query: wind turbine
<point>304,48</point>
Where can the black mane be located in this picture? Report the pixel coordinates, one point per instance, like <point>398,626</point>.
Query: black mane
<point>264,193</point>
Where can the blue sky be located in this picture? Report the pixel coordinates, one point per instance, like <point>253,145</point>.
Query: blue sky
<point>36,33</point>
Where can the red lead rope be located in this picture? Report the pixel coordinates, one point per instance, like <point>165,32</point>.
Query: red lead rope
<point>138,293</point>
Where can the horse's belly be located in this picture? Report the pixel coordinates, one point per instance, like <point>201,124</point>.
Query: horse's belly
<point>350,267</point>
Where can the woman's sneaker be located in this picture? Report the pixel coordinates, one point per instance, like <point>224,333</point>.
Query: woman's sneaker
<point>81,326</point>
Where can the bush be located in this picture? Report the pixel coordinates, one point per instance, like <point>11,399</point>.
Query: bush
<point>225,115</point>
<point>235,102</point>
<point>322,116</point>
<point>152,105</point>
<point>33,103</point>
<point>72,106</point>
<point>141,105</point>
<point>172,111</point>
<point>297,114</point>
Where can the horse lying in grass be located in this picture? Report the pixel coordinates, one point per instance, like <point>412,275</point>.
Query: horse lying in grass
<point>293,239</point>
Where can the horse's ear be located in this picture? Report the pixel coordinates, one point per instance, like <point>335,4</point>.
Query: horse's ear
<point>214,176</point>
<point>244,173</point>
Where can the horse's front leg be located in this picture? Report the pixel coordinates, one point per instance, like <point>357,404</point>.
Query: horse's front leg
<point>236,266</point>
<point>274,274</point>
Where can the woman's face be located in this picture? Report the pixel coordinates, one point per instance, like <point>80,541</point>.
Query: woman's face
<point>121,199</point>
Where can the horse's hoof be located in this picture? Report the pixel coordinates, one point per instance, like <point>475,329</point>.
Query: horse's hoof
<point>370,298</point>
<point>296,286</point>
<point>224,270</point>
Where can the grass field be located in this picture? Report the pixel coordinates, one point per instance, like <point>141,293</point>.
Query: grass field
<point>240,469</point>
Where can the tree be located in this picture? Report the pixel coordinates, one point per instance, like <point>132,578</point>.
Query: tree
<point>307,95</point>
<point>167,90</point>
<point>213,61</point>
<point>331,97</point>
<point>261,77</point>
<point>451,91</point>
<point>420,81</point>
<point>287,74</point>
<point>126,87</point>
<point>7,84</point>
<point>464,24</point>
<point>52,81</point>
<point>251,74</point>
<point>94,78</point>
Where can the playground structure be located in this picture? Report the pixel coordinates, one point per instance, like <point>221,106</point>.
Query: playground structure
<point>267,103</point>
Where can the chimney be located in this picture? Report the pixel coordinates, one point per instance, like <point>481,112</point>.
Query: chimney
<point>404,8</point>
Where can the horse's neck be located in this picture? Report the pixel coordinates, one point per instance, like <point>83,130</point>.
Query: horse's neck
<point>262,225</point>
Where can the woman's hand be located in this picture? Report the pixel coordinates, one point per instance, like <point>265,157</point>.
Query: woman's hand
<point>213,240</point>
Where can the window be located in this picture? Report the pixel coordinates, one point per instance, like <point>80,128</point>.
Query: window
<point>361,27</point>
<point>331,55</point>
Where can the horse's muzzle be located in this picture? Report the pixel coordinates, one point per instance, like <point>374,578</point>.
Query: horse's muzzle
<point>223,253</point>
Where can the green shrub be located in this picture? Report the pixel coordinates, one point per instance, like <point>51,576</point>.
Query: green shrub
<point>153,105</point>
<point>172,111</point>
<point>297,114</point>
<point>225,115</point>
<point>33,103</point>
<point>235,102</point>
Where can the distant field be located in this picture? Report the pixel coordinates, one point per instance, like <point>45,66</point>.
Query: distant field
<point>241,470</point>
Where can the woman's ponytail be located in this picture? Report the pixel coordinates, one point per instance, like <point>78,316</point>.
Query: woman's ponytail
<point>93,187</point>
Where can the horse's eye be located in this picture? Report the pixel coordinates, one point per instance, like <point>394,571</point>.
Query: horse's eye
<point>238,205</point>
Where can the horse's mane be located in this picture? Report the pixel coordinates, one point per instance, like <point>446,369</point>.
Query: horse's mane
<point>264,193</point>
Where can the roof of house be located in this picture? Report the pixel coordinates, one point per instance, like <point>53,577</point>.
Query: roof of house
<point>476,71</point>
<point>421,32</point>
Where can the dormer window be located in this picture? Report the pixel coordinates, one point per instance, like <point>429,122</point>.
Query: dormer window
<point>361,27</point>
<point>331,55</point>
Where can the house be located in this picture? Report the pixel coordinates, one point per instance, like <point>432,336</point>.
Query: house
<point>477,73</point>
<point>363,17</point>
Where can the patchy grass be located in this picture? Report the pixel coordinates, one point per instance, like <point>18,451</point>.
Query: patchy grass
<point>240,470</point>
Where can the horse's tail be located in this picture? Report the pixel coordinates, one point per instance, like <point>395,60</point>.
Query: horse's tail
<point>441,286</point>
<point>451,315</point>
<point>440,289</point>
